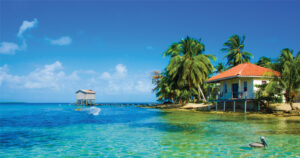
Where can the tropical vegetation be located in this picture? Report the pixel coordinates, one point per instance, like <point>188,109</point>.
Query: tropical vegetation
<point>288,83</point>
<point>189,68</point>
<point>183,80</point>
<point>220,68</point>
<point>234,47</point>
<point>264,62</point>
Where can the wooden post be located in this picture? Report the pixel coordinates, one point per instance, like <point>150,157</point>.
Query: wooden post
<point>245,106</point>
<point>85,102</point>
<point>217,107</point>
<point>233,106</point>
<point>81,101</point>
<point>239,88</point>
<point>231,89</point>
<point>258,108</point>
<point>224,106</point>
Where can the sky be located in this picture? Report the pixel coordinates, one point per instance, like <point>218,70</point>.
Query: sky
<point>49,49</point>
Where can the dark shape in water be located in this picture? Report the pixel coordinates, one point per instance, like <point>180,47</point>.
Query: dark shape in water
<point>217,120</point>
<point>24,139</point>
<point>174,127</point>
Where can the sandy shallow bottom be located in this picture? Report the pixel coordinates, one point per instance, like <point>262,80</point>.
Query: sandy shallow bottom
<point>57,130</point>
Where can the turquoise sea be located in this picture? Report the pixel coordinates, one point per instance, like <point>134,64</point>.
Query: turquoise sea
<point>58,130</point>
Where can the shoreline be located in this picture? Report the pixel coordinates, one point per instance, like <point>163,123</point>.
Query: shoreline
<point>177,107</point>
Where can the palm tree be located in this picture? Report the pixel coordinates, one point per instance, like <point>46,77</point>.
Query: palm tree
<point>235,51</point>
<point>264,62</point>
<point>188,66</point>
<point>286,56</point>
<point>163,89</point>
<point>289,80</point>
<point>220,68</point>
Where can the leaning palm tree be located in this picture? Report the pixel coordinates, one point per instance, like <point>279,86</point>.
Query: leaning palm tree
<point>235,51</point>
<point>188,66</point>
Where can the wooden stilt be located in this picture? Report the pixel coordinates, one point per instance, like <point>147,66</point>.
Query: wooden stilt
<point>233,106</point>
<point>224,106</point>
<point>81,101</point>
<point>258,108</point>
<point>245,106</point>
<point>217,107</point>
<point>239,88</point>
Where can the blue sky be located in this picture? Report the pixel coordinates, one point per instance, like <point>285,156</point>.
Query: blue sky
<point>50,49</point>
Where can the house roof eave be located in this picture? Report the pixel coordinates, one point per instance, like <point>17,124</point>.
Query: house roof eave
<point>237,76</point>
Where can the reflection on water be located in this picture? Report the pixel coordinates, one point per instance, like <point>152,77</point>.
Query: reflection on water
<point>59,131</point>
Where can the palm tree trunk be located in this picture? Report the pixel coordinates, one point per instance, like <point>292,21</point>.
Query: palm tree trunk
<point>200,92</point>
<point>291,104</point>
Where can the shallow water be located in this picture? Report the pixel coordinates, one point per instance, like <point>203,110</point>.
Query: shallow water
<point>57,130</point>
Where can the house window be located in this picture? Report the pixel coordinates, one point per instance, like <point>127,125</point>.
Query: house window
<point>225,87</point>
<point>245,86</point>
<point>263,82</point>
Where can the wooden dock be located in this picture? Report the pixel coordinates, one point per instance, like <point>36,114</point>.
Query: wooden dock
<point>125,104</point>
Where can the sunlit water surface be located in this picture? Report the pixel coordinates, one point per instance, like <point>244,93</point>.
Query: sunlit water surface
<point>57,130</point>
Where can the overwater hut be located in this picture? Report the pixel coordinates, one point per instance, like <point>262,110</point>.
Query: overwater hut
<point>238,85</point>
<point>85,97</point>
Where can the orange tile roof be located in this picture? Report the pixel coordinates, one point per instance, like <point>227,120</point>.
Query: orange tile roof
<point>86,91</point>
<point>242,70</point>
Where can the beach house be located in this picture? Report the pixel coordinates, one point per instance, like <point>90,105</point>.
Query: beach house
<point>238,84</point>
<point>85,97</point>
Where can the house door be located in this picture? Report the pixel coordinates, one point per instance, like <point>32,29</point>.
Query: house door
<point>235,90</point>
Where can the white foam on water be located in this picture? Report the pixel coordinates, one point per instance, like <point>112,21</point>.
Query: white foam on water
<point>93,110</point>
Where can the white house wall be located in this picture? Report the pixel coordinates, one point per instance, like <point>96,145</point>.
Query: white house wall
<point>251,86</point>
<point>258,82</point>
<point>81,95</point>
<point>251,89</point>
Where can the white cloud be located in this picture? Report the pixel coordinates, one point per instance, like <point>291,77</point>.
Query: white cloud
<point>8,48</point>
<point>3,73</point>
<point>117,82</point>
<point>53,77</point>
<point>121,70</point>
<point>27,25</point>
<point>49,76</point>
<point>88,72</point>
<point>105,75</point>
<point>5,76</point>
<point>143,86</point>
<point>74,76</point>
<point>62,41</point>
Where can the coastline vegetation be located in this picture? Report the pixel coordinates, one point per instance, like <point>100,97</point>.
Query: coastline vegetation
<point>183,80</point>
<point>288,84</point>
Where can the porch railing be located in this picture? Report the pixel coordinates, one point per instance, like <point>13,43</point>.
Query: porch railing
<point>233,95</point>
